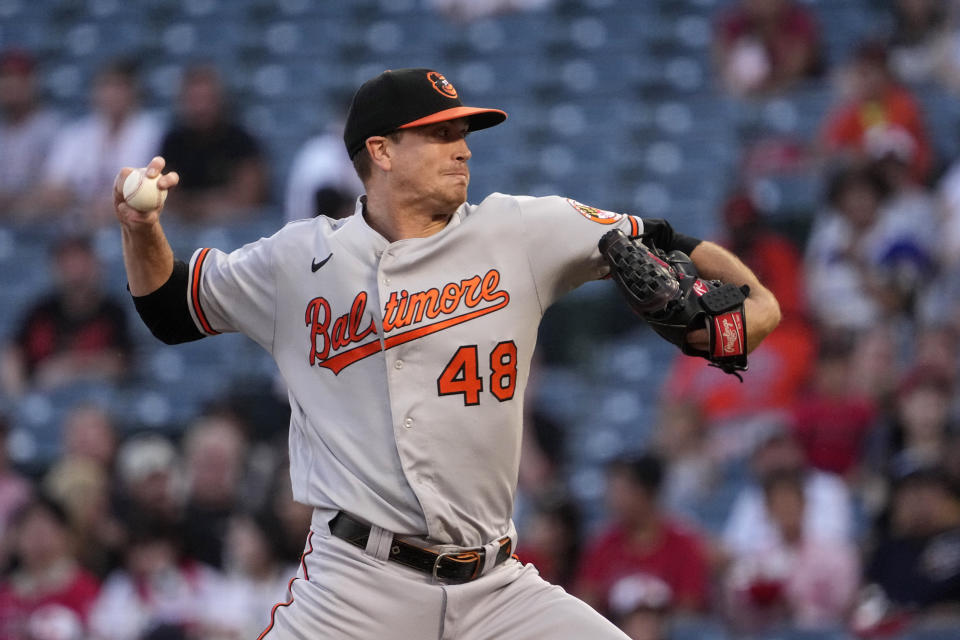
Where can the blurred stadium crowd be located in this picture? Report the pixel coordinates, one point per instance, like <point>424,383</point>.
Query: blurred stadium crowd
<point>143,489</point>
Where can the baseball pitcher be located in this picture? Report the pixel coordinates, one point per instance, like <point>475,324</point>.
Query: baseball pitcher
<point>404,334</point>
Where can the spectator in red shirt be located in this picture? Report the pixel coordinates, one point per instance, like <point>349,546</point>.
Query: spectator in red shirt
<point>831,421</point>
<point>764,46</point>
<point>75,333</point>
<point>642,539</point>
<point>773,257</point>
<point>48,587</point>
<point>878,113</point>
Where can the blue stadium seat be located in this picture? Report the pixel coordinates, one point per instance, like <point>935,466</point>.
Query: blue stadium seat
<point>806,634</point>
<point>934,633</point>
<point>697,629</point>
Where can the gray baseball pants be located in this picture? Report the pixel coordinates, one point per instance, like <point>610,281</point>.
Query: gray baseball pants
<point>342,592</point>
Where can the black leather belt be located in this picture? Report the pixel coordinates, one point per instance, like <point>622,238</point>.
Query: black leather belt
<point>461,566</point>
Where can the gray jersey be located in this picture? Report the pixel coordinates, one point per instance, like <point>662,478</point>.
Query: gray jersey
<point>406,362</point>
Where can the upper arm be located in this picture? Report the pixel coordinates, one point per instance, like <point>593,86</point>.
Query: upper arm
<point>235,291</point>
<point>561,236</point>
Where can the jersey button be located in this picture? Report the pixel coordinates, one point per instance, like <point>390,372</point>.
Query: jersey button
<point>398,364</point>
<point>386,281</point>
<point>408,423</point>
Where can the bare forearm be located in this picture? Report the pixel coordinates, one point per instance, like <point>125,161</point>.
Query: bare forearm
<point>147,257</point>
<point>762,312</point>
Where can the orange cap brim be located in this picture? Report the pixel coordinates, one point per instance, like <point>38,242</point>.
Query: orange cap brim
<point>479,118</point>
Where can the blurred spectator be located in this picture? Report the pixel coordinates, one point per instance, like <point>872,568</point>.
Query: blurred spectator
<point>764,46</point>
<point>83,488</point>
<point>917,559</point>
<point>772,257</point>
<point>691,469</point>
<point>148,470</point>
<point>937,346</point>
<point>642,539</point>
<point>922,417</point>
<point>322,180</point>
<point>158,586</point>
<point>89,434</point>
<point>875,364</point>
<point>876,111</point>
<point>551,538</point>
<point>27,129</point>
<point>859,251</point>
<point>256,579</point>
<point>779,368</point>
<point>796,580</point>
<point>942,47</point>
<point>214,453</point>
<point>77,332</point>
<point>911,265</point>
<point>828,513</point>
<point>832,419</point>
<point>79,173</point>
<point>47,586</point>
<point>640,606</point>
<point>15,490</point>
<point>916,42</point>
<point>222,171</point>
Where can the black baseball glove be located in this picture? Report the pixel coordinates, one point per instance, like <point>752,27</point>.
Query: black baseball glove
<point>666,292</point>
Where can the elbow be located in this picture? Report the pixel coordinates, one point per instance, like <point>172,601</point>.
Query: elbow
<point>776,315</point>
<point>763,315</point>
<point>771,313</point>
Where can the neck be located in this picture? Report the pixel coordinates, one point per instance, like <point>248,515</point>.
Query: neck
<point>644,531</point>
<point>398,220</point>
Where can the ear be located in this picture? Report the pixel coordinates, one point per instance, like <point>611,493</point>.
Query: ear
<point>379,149</point>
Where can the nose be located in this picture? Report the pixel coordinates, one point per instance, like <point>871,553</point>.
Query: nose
<point>463,152</point>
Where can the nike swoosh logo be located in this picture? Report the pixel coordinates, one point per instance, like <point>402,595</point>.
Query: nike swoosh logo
<point>315,266</point>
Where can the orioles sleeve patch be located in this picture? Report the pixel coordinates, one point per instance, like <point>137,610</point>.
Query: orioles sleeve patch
<point>592,213</point>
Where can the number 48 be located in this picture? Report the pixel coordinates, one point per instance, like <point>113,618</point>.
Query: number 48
<point>461,373</point>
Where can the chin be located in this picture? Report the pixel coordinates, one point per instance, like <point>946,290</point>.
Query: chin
<point>458,197</point>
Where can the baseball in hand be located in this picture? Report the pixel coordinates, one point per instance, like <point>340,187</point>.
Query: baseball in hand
<point>141,192</point>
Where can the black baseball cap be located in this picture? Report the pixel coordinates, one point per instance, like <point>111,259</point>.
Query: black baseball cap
<point>404,98</point>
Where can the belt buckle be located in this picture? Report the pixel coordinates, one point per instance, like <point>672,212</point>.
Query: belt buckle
<point>436,563</point>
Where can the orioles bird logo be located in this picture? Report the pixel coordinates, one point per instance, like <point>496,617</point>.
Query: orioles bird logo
<point>442,85</point>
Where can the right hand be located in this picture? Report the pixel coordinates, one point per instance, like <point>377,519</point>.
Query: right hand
<point>127,215</point>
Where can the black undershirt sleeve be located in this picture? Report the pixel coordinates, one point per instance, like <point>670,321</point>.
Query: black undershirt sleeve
<point>658,231</point>
<point>165,311</point>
